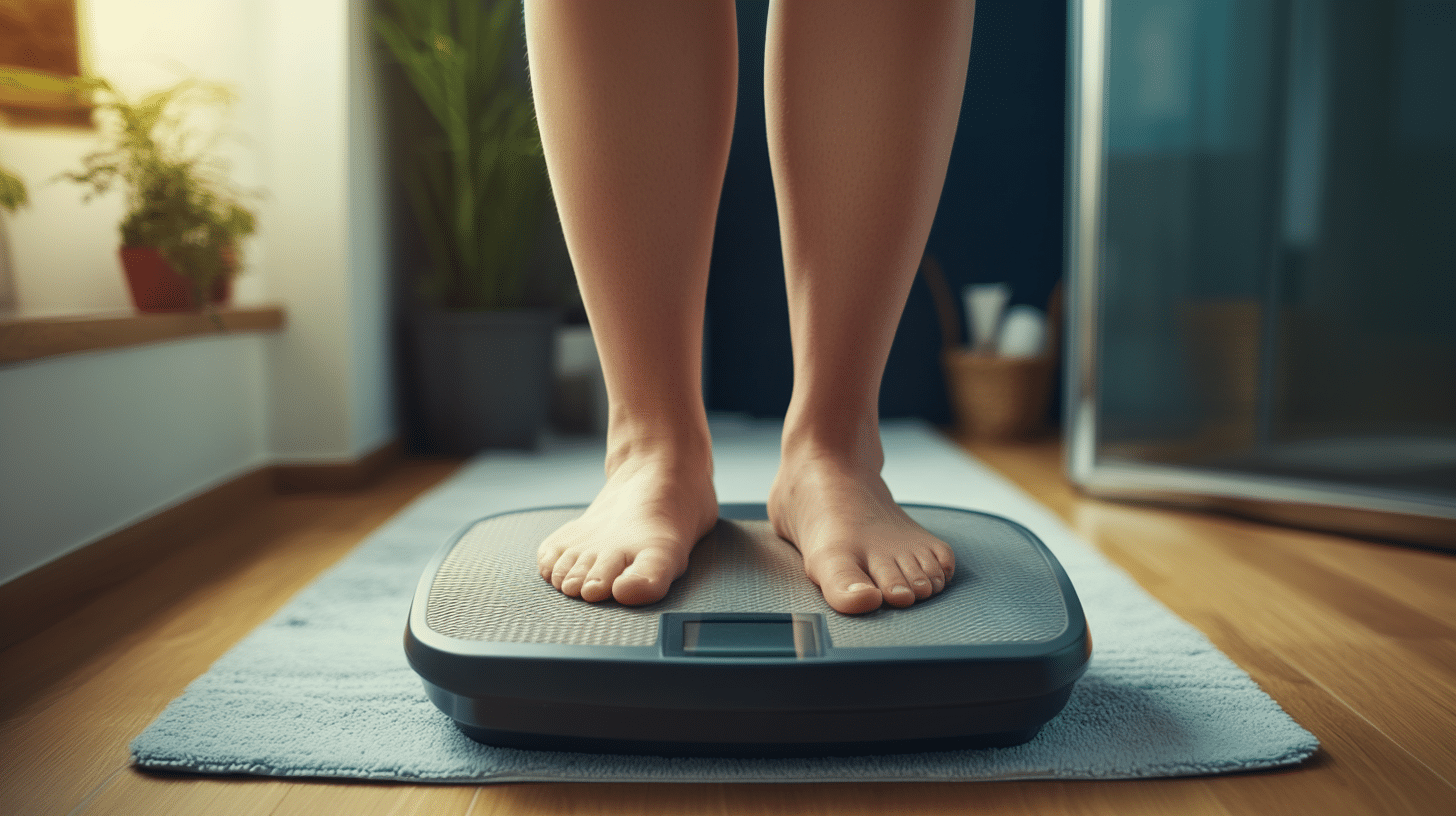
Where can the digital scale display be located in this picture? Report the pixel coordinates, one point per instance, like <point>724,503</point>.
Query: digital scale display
<point>782,635</point>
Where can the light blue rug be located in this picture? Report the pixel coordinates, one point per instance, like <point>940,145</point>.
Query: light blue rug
<point>323,690</point>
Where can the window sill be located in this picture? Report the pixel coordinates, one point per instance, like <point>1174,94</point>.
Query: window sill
<point>34,338</point>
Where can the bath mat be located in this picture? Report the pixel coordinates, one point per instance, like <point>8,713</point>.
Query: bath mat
<point>322,689</point>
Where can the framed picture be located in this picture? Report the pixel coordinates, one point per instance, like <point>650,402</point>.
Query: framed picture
<point>39,56</point>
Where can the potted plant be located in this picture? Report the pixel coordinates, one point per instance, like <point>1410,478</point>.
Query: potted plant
<point>12,191</point>
<point>179,238</point>
<point>13,196</point>
<point>475,178</point>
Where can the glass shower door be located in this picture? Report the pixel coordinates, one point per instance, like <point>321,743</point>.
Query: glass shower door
<point>1262,244</point>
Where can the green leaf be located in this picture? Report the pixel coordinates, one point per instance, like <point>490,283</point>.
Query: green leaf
<point>477,190</point>
<point>12,191</point>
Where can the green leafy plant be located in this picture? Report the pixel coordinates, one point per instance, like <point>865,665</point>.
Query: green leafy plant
<point>478,181</point>
<point>179,199</point>
<point>12,191</point>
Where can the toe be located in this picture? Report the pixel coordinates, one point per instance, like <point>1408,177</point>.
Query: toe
<point>892,582</point>
<point>932,569</point>
<point>945,557</point>
<point>546,560</point>
<point>846,587</point>
<point>920,583</point>
<point>561,568</point>
<point>597,586</point>
<point>648,577</point>
<point>576,576</point>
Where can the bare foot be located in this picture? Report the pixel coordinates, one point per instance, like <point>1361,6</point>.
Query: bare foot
<point>634,539</point>
<point>859,546</point>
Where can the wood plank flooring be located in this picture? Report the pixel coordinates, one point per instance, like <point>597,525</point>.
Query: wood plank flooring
<point>1357,640</point>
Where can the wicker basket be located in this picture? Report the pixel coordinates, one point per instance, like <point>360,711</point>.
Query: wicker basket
<point>998,397</point>
<point>994,398</point>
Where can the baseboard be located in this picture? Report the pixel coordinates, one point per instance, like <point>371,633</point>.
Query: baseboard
<point>340,475</point>
<point>35,600</point>
<point>40,597</point>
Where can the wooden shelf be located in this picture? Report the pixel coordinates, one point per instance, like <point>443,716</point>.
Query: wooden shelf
<point>33,338</point>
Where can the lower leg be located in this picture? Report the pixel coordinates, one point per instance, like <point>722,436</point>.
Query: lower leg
<point>862,109</point>
<point>635,104</point>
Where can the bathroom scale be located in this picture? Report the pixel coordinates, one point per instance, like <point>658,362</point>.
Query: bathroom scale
<point>743,657</point>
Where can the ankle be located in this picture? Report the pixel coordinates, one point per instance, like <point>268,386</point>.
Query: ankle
<point>679,446</point>
<point>852,444</point>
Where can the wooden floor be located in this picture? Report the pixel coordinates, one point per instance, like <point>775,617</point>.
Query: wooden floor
<point>1356,640</point>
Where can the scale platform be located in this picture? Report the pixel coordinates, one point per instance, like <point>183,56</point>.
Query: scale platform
<point>744,657</point>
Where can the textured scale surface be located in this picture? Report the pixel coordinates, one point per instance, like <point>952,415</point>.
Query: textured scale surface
<point>488,587</point>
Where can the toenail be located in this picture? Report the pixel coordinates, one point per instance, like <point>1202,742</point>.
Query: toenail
<point>920,582</point>
<point>899,589</point>
<point>859,587</point>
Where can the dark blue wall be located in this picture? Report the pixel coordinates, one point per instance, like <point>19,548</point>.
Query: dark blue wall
<point>1000,217</point>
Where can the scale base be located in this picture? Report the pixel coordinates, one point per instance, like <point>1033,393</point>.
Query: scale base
<point>743,657</point>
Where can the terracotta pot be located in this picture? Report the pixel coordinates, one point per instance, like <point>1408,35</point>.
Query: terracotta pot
<point>157,287</point>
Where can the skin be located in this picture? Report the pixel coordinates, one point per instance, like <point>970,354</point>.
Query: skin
<point>635,103</point>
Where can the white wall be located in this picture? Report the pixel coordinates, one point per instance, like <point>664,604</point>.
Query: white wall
<point>306,136</point>
<point>305,132</point>
<point>95,442</point>
<point>371,238</point>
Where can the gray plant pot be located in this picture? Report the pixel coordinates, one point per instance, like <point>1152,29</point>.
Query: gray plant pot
<point>483,379</point>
